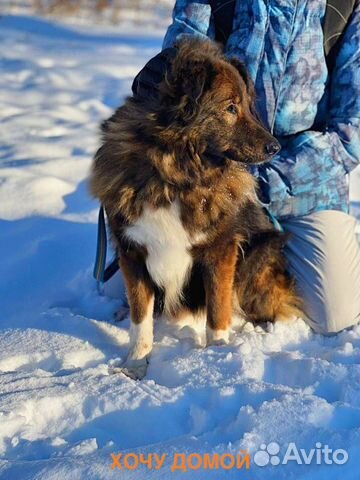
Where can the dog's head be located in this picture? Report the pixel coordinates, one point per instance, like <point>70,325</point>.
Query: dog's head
<point>211,100</point>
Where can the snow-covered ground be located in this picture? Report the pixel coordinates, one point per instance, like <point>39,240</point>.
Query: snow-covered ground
<point>62,412</point>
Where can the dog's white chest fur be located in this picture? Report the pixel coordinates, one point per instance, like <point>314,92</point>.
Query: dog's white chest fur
<point>168,245</point>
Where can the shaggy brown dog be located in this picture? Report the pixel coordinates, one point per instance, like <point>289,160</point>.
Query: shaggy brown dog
<point>182,207</point>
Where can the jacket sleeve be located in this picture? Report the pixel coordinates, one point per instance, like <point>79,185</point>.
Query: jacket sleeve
<point>313,157</point>
<point>189,18</point>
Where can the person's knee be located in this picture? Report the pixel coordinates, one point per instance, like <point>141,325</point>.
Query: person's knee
<point>335,294</point>
<point>325,258</point>
<point>331,315</point>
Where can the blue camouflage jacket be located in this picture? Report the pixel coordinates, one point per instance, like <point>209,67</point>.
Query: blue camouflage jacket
<point>317,121</point>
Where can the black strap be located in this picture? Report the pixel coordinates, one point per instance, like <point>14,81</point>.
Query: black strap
<point>101,247</point>
<point>111,269</point>
<point>223,14</point>
<point>103,273</point>
<point>337,16</point>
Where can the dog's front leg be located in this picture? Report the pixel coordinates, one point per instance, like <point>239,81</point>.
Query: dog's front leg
<point>141,299</point>
<point>219,281</point>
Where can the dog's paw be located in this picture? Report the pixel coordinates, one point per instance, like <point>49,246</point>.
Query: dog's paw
<point>134,369</point>
<point>286,319</point>
<point>217,337</point>
<point>135,373</point>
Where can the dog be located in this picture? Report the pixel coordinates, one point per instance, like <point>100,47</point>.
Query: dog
<point>173,175</point>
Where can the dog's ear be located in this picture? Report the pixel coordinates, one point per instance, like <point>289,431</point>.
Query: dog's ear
<point>194,78</point>
<point>241,68</point>
<point>190,79</point>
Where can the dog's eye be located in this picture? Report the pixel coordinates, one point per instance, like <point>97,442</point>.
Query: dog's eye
<point>232,109</point>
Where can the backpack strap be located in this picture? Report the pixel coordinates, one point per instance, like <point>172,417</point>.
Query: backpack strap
<point>223,14</point>
<point>337,16</point>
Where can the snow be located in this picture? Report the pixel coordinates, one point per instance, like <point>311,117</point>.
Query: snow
<point>62,410</point>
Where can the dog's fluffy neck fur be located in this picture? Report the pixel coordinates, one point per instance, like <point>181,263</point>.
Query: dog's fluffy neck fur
<point>177,169</point>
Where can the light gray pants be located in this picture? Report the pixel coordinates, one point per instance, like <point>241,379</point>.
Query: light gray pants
<point>324,257</point>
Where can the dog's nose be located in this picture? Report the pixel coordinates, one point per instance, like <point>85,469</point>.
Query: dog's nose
<point>272,148</point>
